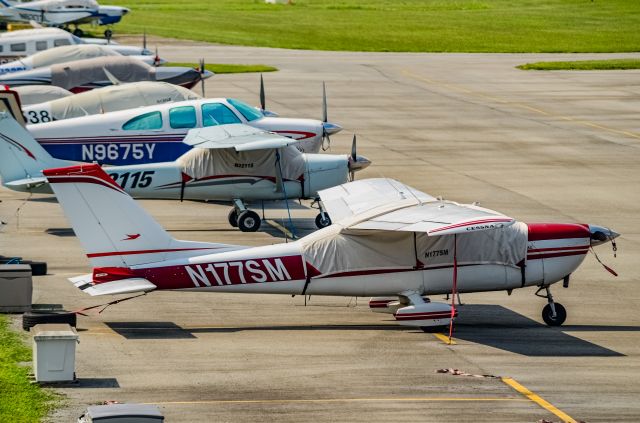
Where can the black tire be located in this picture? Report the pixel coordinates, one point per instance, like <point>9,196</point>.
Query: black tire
<point>248,221</point>
<point>322,220</point>
<point>32,318</point>
<point>78,32</point>
<point>233,218</point>
<point>561,315</point>
<point>108,33</point>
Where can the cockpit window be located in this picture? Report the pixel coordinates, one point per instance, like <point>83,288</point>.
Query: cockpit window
<point>61,42</point>
<point>250,113</point>
<point>182,117</point>
<point>151,120</point>
<point>217,114</point>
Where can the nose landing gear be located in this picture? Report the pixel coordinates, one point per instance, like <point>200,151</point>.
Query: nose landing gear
<point>553,314</point>
<point>241,217</point>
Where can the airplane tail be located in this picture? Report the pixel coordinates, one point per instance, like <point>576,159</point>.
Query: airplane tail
<point>113,229</point>
<point>22,158</point>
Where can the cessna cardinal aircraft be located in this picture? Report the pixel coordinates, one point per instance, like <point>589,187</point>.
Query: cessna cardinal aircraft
<point>232,163</point>
<point>156,132</point>
<point>87,74</point>
<point>61,12</point>
<point>103,100</point>
<point>71,53</point>
<point>389,241</point>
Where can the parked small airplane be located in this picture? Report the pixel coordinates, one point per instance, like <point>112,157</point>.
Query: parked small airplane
<point>158,131</point>
<point>388,241</point>
<point>87,74</point>
<point>62,12</point>
<point>104,100</point>
<point>64,54</point>
<point>231,163</point>
<point>24,42</point>
<point>36,94</point>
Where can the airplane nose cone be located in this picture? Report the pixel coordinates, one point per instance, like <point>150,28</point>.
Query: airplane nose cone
<point>600,234</point>
<point>206,74</point>
<point>331,128</point>
<point>268,113</point>
<point>361,162</point>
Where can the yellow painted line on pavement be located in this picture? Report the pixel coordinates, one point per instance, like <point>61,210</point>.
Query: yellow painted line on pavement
<point>523,106</point>
<point>444,338</point>
<point>281,228</point>
<point>343,400</point>
<point>538,400</point>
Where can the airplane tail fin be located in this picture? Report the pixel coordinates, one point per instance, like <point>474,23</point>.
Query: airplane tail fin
<point>22,158</point>
<point>10,102</point>
<point>113,229</point>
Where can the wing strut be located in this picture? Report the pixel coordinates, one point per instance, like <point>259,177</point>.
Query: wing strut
<point>454,289</point>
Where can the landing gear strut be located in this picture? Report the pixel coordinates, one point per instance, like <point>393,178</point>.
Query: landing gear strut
<point>244,219</point>
<point>322,219</point>
<point>553,314</point>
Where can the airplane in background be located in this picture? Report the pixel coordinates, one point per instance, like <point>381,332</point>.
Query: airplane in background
<point>388,241</point>
<point>25,42</point>
<point>231,163</point>
<point>62,13</point>
<point>69,53</point>
<point>82,75</point>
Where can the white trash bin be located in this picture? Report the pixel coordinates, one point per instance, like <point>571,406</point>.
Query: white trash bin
<point>54,352</point>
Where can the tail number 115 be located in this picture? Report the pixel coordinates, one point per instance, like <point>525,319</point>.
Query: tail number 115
<point>134,179</point>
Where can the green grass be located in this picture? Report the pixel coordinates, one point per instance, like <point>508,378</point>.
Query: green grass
<point>396,25</point>
<point>611,64</point>
<point>20,401</point>
<point>224,68</point>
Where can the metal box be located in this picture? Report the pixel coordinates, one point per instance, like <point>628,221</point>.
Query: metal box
<point>54,352</point>
<point>16,287</point>
<point>122,413</point>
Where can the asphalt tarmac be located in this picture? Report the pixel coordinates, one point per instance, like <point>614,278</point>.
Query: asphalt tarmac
<point>538,146</point>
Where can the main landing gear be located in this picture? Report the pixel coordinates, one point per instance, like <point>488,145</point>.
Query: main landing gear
<point>553,314</point>
<point>244,219</point>
<point>322,219</point>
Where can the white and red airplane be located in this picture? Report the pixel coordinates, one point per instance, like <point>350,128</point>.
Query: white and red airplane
<point>389,241</point>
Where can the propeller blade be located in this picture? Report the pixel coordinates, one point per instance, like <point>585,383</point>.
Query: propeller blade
<point>201,75</point>
<point>353,148</point>
<point>326,141</point>
<point>324,102</point>
<point>263,101</point>
<point>144,39</point>
<point>156,60</point>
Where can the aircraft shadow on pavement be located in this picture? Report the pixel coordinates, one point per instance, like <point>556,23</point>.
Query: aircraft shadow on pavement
<point>169,330</point>
<point>149,330</point>
<point>498,327</point>
<point>90,382</point>
<point>61,232</point>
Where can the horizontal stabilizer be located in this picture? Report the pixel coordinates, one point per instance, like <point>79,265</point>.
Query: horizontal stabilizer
<point>237,136</point>
<point>121,286</point>
<point>27,182</point>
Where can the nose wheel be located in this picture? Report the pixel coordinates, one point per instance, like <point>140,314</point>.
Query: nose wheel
<point>553,314</point>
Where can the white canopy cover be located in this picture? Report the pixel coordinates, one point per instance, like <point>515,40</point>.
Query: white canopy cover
<point>125,69</point>
<point>36,94</point>
<point>70,53</point>
<point>382,224</point>
<point>119,97</point>
<point>200,163</point>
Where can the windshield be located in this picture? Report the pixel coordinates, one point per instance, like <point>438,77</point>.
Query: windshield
<point>249,112</point>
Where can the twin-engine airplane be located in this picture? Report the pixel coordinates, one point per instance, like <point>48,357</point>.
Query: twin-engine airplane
<point>231,163</point>
<point>388,241</point>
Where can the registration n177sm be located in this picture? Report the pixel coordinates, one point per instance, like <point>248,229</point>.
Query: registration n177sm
<point>112,151</point>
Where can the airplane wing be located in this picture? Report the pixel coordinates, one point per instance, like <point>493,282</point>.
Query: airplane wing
<point>238,136</point>
<point>357,197</point>
<point>121,286</point>
<point>385,204</point>
<point>65,18</point>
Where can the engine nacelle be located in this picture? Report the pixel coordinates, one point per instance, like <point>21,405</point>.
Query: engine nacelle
<point>426,314</point>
